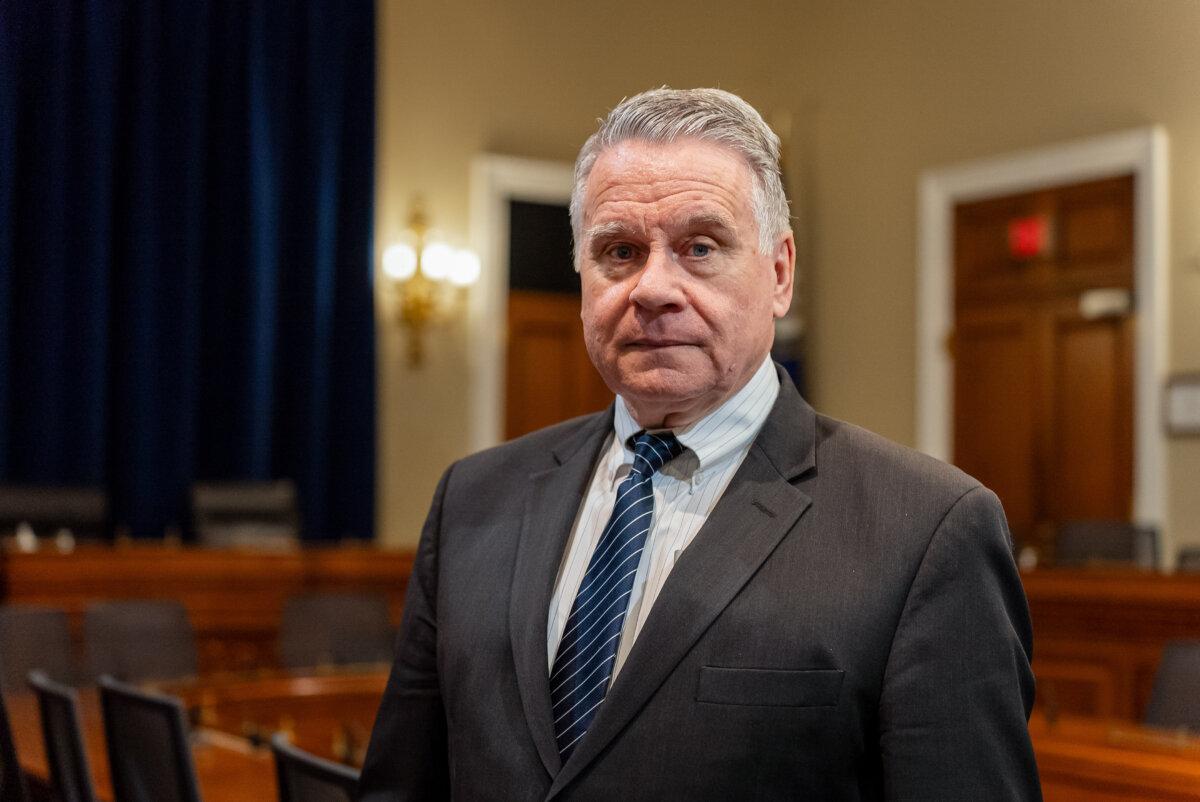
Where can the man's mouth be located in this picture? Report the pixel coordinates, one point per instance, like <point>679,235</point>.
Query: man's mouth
<point>655,342</point>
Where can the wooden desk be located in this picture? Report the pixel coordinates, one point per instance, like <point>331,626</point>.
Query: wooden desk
<point>234,598</point>
<point>1098,635</point>
<point>329,715</point>
<point>1105,760</point>
<point>1078,758</point>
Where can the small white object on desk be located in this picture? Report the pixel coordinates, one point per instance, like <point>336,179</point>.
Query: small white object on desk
<point>26,538</point>
<point>64,540</point>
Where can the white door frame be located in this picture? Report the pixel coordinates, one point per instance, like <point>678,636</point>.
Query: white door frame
<point>495,181</point>
<point>1143,152</point>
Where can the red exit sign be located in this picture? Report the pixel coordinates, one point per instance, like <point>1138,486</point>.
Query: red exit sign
<point>1029,237</point>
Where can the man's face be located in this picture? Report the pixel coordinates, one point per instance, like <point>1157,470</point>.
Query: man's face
<point>678,302</point>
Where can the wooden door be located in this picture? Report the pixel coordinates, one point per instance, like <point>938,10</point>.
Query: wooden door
<point>549,375</point>
<point>1043,352</point>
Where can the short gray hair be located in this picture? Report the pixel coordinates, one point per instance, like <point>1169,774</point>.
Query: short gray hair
<point>712,115</point>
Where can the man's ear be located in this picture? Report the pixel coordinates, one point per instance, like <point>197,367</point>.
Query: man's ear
<point>783,267</point>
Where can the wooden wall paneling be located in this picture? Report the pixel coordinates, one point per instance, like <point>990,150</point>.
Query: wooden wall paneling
<point>1094,676</point>
<point>1099,634</point>
<point>1098,759</point>
<point>234,598</point>
<point>1082,687</point>
<point>360,569</point>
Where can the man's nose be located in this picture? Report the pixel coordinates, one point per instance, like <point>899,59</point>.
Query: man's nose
<point>658,284</point>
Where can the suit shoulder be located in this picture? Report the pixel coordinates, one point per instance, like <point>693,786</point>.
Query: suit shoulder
<point>530,450</point>
<point>886,465</point>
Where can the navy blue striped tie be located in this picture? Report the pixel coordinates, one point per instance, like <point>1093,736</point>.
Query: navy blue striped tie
<point>588,649</point>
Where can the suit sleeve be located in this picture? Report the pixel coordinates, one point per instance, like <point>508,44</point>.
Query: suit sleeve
<point>958,687</point>
<point>407,758</point>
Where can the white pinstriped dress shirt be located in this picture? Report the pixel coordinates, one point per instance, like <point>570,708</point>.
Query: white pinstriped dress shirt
<point>685,492</point>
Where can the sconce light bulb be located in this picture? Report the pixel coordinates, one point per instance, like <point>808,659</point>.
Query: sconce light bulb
<point>400,262</point>
<point>464,270</point>
<point>437,260</point>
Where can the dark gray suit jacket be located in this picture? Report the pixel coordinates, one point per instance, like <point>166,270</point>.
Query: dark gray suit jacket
<point>848,624</point>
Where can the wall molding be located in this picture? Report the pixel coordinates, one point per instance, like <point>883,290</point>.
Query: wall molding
<point>496,180</point>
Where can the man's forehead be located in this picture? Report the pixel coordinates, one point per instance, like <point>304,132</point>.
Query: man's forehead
<point>689,178</point>
<point>643,160</point>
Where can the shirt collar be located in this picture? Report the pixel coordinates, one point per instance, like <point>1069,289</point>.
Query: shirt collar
<point>721,433</point>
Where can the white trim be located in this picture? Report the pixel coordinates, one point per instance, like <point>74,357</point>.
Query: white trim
<point>1141,151</point>
<point>496,180</point>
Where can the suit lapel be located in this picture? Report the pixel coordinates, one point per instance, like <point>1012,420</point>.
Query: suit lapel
<point>553,500</point>
<point>758,509</point>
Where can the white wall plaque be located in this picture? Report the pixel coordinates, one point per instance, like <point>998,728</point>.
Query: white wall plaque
<point>1182,406</point>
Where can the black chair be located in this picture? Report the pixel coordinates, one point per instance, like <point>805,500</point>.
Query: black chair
<point>263,515</point>
<point>149,757</point>
<point>12,779</point>
<point>1188,561</point>
<point>63,734</point>
<point>335,629</point>
<point>83,510</point>
<point>139,639</point>
<point>1175,700</point>
<point>304,777</point>
<point>1105,542</point>
<point>34,638</point>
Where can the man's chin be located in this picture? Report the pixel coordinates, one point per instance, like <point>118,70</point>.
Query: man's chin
<point>663,384</point>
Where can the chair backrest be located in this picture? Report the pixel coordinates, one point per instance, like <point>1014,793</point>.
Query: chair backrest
<point>1175,700</point>
<point>246,514</point>
<point>1188,560</point>
<point>83,510</point>
<point>149,757</point>
<point>304,777</point>
<point>320,629</point>
<point>34,638</point>
<point>139,639</point>
<point>1084,542</point>
<point>70,773</point>
<point>12,779</point>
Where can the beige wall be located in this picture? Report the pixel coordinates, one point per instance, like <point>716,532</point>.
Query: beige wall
<point>878,92</point>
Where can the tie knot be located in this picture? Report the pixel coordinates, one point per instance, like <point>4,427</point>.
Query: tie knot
<point>652,451</point>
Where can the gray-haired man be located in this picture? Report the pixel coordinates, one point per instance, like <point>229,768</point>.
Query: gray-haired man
<point>707,591</point>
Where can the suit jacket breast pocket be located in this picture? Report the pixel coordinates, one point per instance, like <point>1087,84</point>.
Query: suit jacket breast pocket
<point>769,687</point>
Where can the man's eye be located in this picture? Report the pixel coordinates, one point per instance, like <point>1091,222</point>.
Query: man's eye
<point>621,252</point>
<point>699,249</point>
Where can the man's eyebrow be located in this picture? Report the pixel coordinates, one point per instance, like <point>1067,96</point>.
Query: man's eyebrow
<point>701,221</point>
<point>614,228</point>
<point>705,221</point>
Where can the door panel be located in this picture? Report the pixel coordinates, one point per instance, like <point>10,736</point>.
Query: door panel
<point>1097,227</point>
<point>1092,419</point>
<point>994,389</point>
<point>1043,410</point>
<point>550,377</point>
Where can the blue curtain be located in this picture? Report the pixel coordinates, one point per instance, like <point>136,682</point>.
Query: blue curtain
<point>185,252</point>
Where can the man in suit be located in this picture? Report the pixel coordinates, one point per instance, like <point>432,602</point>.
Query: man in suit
<point>708,591</point>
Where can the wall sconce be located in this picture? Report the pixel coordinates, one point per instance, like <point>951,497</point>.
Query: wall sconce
<point>428,280</point>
